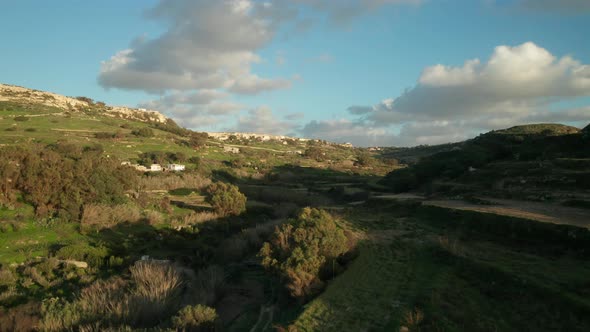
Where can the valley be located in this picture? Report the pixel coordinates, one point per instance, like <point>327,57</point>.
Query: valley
<point>287,234</point>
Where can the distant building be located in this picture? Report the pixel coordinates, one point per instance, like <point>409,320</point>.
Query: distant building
<point>175,167</point>
<point>141,168</point>
<point>155,168</point>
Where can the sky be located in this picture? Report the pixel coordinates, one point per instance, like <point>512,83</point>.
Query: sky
<point>369,72</point>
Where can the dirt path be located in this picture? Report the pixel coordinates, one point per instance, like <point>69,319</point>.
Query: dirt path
<point>543,212</point>
<point>263,324</point>
<point>253,147</point>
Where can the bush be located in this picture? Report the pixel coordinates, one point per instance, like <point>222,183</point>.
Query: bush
<point>315,153</point>
<point>143,132</point>
<point>31,130</point>
<point>156,281</point>
<point>195,318</point>
<point>99,216</point>
<point>300,249</point>
<point>94,256</point>
<point>21,118</point>
<point>104,135</point>
<point>7,278</point>
<point>226,199</point>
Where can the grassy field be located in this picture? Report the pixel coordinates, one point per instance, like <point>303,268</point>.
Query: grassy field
<point>410,274</point>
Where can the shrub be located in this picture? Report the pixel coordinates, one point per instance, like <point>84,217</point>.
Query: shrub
<point>7,278</point>
<point>99,216</point>
<point>13,128</point>
<point>156,281</point>
<point>21,118</point>
<point>153,217</point>
<point>300,249</point>
<point>94,256</point>
<point>315,153</point>
<point>195,318</point>
<point>226,199</point>
<point>173,181</point>
<point>143,132</point>
<point>31,130</point>
<point>104,135</point>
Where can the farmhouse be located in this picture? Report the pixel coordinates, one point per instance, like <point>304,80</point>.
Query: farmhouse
<point>141,168</point>
<point>175,167</point>
<point>155,168</point>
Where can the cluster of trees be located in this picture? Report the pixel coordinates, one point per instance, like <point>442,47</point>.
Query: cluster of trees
<point>525,143</point>
<point>226,199</point>
<point>305,251</point>
<point>161,157</point>
<point>59,179</point>
<point>143,132</point>
<point>316,153</point>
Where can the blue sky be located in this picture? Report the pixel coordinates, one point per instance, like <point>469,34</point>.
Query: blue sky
<point>372,72</point>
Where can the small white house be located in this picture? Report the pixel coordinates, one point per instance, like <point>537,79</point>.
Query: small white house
<point>175,167</point>
<point>155,168</point>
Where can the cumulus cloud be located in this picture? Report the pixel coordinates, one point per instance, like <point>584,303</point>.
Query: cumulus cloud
<point>342,12</point>
<point>207,45</point>
<point>252,84</point>
<point>516,85</point>
<point>344,130</point>
<point>262,120</point>
<point>207,52</point>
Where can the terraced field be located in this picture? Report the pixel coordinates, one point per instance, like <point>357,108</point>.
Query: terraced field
<point>412,276</point>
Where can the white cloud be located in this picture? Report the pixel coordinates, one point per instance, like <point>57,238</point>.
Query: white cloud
<point>208,45</point>
<point>514,81</point>
<point>342,12</point>
<point>263,121</point>
<point>252,84</point>
<point>516,85</point>
<point>344,130</point>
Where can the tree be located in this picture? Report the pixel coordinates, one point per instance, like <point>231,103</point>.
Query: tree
<point>198,140</point>
<point>315,152</point>
<point>300,249</point>
<point>364,159</point>
<point>226,199</point>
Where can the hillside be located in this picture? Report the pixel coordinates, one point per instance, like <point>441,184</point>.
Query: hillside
<point>547,163</point>
<point>265,233</point>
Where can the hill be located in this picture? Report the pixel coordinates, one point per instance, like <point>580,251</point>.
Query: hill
<point>543,161</point>
<point>262,233</point>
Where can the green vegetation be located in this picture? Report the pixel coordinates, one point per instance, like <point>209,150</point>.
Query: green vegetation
<point>304,250</point>
<point>226,199</point>
<point>285,235</point>
<point>544,157</point>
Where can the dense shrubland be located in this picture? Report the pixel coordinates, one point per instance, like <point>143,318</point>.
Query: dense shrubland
<point>305,251</point>
<point>60,179</point>
<point>534,143</point>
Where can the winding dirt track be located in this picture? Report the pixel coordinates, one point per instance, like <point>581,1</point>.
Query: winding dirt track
<point>543,212</point>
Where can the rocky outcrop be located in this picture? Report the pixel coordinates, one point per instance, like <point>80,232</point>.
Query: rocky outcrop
<point>30,96</point>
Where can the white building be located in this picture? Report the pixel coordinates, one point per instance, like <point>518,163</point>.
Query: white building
<point>155,168</point>
<point>175,167</point>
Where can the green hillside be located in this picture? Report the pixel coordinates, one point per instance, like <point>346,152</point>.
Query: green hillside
<point>530,162</point>
<point>282,234</point>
